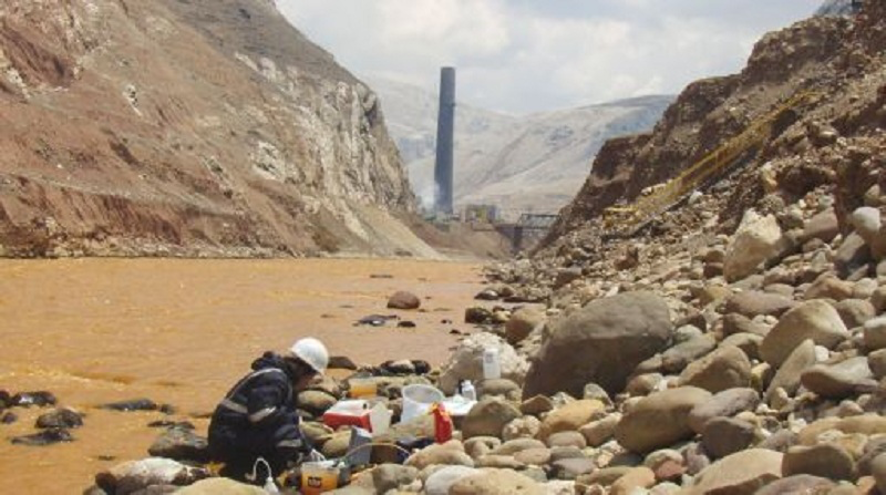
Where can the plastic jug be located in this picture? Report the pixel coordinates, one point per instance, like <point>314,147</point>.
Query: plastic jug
<point>380,419</point>
<point>467,390</point>
<point>492,370</point>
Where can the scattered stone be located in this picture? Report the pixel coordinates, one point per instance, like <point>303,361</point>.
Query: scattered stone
<point>496,482</point>
<point>46,437</point>
<point>742,472</point>
<point>816,320</point>
<point>788,377</point>
<point>725,368</point>
<point>501,387</point>
<point>219,486</point>
<point>570,417</point>
<point>757,240</point>
<point>376,320</point>
<point>132,476</point>
<point>536,405</point>
<point>479,316</point>
<point>27,399</point>
<point>827,460</point>
<point>450,453</point>
<point>132,405</point>
<point>404,300</point>
<point>487,295</point>
<point>751,303</point>
<point>875,333</point>
<point>724,436</point>
<point>488,417</point>
<point>8,418</point>
<point>797,484</point>
<point>180,444</point>
<point>392,477</point>
<point>837,381</point>
<point>573,467</point>
<point>60,418</point>
<point>341,363</point>
<point>638,478</point>
<point>660,419</point>
<point>878,471</point>
<point>521,323</point>
<point>566,438</point>
<point>726,403</point>
<point>525,427</point>
<point>440,481</point>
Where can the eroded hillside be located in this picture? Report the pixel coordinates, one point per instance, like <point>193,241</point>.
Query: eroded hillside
<point>187,128</point>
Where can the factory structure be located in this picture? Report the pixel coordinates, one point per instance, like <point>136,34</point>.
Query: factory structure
<point>526,232</point>
<point>443,158</point>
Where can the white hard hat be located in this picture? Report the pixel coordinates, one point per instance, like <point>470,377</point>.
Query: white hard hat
<point>312,352</point>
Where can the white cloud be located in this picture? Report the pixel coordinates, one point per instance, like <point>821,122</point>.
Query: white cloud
<point>522,56</point>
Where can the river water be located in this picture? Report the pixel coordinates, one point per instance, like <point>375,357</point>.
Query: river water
<point>181,332</point>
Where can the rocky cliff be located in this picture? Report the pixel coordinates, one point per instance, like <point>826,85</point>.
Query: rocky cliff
<point>836,139</point>
<point>187,128</point>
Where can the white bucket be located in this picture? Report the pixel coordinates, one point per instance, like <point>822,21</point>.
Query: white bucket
<point>417,400</point>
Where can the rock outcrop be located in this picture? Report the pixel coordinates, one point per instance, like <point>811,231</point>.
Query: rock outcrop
<point>203,128</point>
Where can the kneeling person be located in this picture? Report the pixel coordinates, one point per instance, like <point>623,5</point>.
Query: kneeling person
<point>258,416</point>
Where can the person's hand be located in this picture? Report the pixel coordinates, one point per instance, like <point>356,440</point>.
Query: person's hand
<point>315,456</point>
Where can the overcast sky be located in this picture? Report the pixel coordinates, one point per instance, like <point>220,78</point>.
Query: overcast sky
<point>520,56</point>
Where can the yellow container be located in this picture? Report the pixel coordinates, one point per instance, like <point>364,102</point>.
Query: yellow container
<point>361,387</point>
<point>319,477</point>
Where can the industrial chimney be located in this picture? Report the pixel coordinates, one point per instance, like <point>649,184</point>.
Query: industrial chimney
<point>443,160</point>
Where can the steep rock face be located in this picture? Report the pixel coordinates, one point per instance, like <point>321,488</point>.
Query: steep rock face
<point>838,58</point>
<point>191,128</point>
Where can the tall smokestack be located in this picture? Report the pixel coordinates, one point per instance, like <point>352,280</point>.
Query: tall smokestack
<point>443,160</point>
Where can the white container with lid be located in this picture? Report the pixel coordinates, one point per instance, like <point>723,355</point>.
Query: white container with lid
<point>491,365</point>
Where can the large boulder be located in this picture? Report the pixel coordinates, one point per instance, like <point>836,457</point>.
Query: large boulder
<point>601,343</point>
<point>757,240</point>
<point>466,363</point>
<point>816,320</point>
<point>660,419</point>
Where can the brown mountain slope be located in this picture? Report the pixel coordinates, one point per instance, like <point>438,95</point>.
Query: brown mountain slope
<point>840,59</point>
<point>188,128</point>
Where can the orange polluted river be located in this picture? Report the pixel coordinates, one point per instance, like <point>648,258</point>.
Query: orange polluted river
<point>181,332</point>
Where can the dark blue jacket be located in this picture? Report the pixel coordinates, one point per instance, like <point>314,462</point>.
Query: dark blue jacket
<point>258,416</point>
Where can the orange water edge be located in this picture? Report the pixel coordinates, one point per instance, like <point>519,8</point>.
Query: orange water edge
<point>182,332</point>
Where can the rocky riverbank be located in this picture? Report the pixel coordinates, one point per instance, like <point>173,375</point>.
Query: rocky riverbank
<point>752,363</point>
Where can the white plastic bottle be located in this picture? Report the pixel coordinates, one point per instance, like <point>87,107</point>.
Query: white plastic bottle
<point>468,391</point>
<point>492,370</point>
